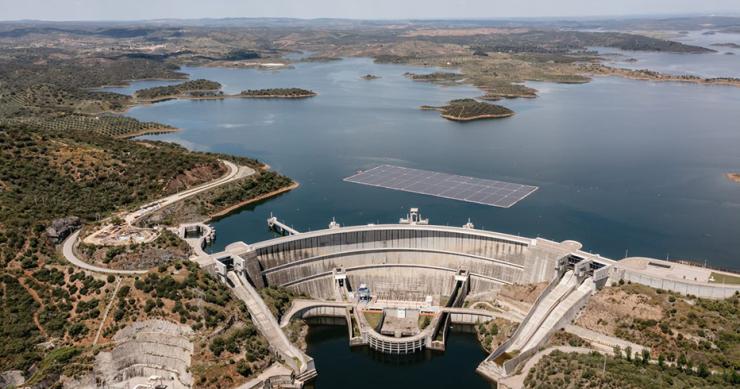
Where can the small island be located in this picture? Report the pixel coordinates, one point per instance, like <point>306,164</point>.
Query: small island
<point>370,77</point>
<point>734,177</point>
<point>277,93</point>
<point>189,89</point>
<point>728,44</point>
<point>436,77</point>
<point>465,110</point>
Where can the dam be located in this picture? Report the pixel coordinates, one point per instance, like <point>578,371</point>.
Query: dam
<point>399,286</point>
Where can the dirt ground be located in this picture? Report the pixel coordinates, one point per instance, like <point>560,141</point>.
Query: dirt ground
<point>522,293</point>
<point>610,304</point>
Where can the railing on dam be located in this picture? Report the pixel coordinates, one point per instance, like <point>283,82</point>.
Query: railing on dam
<point>492,258</point>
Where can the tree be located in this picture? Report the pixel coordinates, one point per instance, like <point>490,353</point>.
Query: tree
<point>703,370</point>
<point>243,368</point>
<point>628,352</point>
<point>661,361</point>
<point>645,356</point>
<point>681,361</point>
<point>617,351</point>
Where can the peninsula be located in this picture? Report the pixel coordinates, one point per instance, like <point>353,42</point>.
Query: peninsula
<point>650,75</point>
<point>189,89</point>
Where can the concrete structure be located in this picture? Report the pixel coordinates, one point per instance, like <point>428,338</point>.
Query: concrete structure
<point>415,265</point>
<point>145,349</point>
<point>398,261</point>
<point>61,228</point>
<point>676,277</point>
<point>403,265</point>
<point>301,364</point>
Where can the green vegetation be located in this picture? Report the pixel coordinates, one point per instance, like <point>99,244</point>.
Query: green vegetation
<point>277,299</point>
<point>373,319</point>
<point>18,350</point>
<point>493,333</point>
<point>437,77</point>
<point>471,109</point>
<point>52,174</point>
<point>278,93</point>
<point>165,248</point>
<point>573,370</point>
<point>46,174</point>
<point>244,339</point>
<point>722,278</point>
<point>221,200</point>
<point>173,91</point>
<point>695,330</point>
<point>104,124</point>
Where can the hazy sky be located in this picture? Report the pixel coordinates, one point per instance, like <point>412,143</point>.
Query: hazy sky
<point>358,9</point>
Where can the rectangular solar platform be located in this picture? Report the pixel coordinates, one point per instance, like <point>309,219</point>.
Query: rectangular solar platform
<point>449,186</point>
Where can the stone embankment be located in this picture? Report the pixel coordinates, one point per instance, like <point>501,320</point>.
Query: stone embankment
<point>145,349</point>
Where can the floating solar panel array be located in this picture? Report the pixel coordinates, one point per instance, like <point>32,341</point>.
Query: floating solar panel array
<point>449,186</point>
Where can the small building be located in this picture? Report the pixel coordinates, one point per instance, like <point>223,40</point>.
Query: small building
<point>61,228</point>
<point>364,293</point>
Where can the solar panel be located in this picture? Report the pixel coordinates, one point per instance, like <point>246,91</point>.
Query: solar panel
<point>450,186</point>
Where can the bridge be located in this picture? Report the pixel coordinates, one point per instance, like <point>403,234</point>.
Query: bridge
<point>276,225</point>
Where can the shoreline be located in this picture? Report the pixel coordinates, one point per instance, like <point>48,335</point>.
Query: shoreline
<point>733,177</point>
<point>130,81</point>
<point>649,75</point>
<point>218,97</point>
<point>477,117</point>
<point>244,203</point>
<point>154,131</point>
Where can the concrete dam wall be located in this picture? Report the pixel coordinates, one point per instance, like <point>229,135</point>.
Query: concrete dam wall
<point>401,261</point>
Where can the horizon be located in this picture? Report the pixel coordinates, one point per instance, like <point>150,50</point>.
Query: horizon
<point>381,10</point>
<point>562,18</point>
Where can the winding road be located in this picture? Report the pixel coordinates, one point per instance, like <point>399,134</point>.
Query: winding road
<point>68,249</point>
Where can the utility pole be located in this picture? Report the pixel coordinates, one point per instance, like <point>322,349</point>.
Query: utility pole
<point>603,370</point>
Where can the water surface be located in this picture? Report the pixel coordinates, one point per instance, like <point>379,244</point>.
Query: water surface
<point>340,366</point>
<point>725,62</point>
<point>625,167</point>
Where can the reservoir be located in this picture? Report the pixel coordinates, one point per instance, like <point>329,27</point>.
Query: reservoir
<point>626,167</point>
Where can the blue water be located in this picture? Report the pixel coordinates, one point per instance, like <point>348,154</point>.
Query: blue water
<point>725,62</point>
<point>340,366</point>
<point>625,167</point>
<point>621,165</point>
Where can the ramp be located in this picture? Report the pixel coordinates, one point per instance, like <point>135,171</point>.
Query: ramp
<point>301,364</point>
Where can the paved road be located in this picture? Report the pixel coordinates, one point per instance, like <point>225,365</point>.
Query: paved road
<point>300,304</point>
<point>268,325</point>
<point>235,173</point>
<point>68,252</point>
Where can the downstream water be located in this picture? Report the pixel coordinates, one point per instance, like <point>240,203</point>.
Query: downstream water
<point>621,165</point>
<point>361,368</point>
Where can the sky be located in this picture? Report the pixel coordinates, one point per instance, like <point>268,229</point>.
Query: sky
<point>355,9</point>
